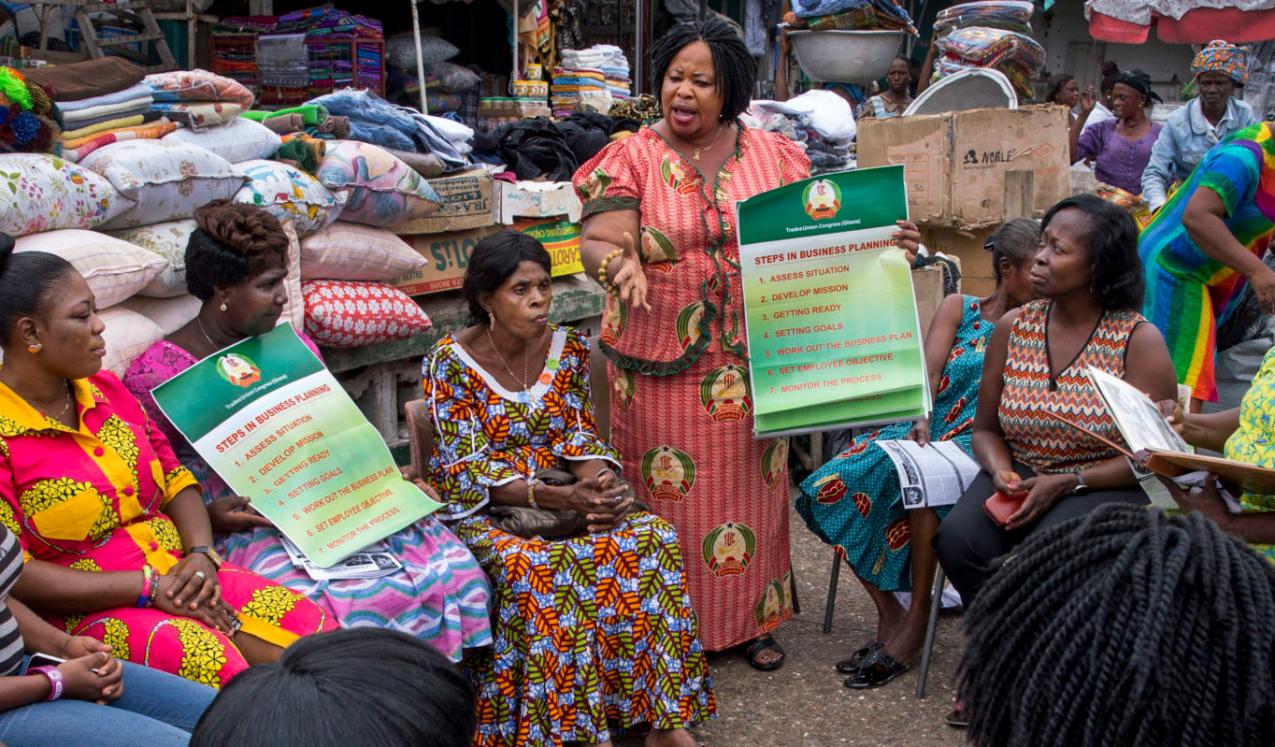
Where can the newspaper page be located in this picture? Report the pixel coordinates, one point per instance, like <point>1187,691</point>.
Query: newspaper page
<point>936,474</point>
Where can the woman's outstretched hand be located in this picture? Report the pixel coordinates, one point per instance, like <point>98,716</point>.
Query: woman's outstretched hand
<point>627,275</point>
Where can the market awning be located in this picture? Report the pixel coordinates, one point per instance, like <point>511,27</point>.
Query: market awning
<point>1254,22</point>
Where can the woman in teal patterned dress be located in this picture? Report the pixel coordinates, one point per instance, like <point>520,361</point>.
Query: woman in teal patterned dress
<point>854,502</point>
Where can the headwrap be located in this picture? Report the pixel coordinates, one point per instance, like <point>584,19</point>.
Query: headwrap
<point>1224,58</point>
<point>1138,80</point>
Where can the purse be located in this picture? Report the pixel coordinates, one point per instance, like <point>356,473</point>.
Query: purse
<point>546,523</point>
<point>1000,507</point>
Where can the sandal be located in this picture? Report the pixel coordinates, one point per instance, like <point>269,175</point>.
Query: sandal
<point>765,643</point>
<point>858,658</point>
<point>956,717</point>
<point>876,671</point>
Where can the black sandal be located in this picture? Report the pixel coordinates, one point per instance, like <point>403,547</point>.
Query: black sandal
<point>877,671</point>
<point>956,717</point>
<point>765,643</point>
<point>858,658</point>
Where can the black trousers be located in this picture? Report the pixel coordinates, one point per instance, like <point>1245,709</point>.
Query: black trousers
<point>968,540</point>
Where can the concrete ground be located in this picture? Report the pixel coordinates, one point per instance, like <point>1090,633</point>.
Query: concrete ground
<point>804,704</point>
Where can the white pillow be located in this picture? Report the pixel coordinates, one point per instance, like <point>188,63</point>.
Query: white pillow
<point>128,334</point>
<point>349,251</point>
<point>240,140</point>
<point>170,314</point>
<point>115,269</point>
<point>166,180</point>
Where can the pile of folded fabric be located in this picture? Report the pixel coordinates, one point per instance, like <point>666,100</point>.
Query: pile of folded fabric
<point>198,98</point>
<point>572,86</point>
<point>849,15</point>
<point>819,121</point>
<point>312,119</point>
<point>1006,46</point>
<point>397,128</point>
<point>599,72</point>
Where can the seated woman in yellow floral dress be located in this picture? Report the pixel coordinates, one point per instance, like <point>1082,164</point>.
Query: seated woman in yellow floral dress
<point>113,529</point>
<point>595,627</point>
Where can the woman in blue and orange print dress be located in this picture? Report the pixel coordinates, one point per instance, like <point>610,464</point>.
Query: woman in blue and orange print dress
<point>854,502</point>
<point>113,528</point>
<point>594,628</point>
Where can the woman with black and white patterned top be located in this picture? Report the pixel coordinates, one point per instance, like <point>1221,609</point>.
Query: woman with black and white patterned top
<point>91,697</point>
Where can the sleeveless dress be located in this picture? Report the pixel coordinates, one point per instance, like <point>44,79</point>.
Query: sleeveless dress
<point>854,502</point>
<point>1036,439</point>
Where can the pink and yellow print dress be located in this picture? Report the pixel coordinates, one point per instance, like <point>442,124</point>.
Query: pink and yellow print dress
<point>681,406</point>
<point>92,500</point>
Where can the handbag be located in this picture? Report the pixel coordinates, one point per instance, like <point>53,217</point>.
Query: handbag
<point>546,523</point>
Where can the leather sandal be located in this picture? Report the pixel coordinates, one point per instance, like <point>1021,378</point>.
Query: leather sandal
<point>876,671</point>
<point>858,658</point>
<point>765,643</point>
<point>956,718</point>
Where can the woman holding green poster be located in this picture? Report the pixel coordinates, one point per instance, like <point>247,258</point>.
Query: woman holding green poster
<point>854,502</point>
<point>236,261</point>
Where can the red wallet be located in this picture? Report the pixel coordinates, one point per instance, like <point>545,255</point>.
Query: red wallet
<point>1000,507</point>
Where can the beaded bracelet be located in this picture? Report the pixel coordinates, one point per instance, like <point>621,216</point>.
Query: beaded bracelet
<point>531,494</point>
<point>148,582</point>
<point>150,598</point>
<point>602,268</point>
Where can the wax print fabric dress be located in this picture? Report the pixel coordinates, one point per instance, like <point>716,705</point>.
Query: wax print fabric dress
<point>1188,293</point>
<point>93,500</point>
<point>681,403</point>
<point>854,502</point>
<point>440,596</point>
<point>589,629</point>
<point>1254,441</point>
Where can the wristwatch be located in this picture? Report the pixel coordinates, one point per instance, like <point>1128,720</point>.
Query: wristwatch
<point>210,553</point>
<point>1081,488</point>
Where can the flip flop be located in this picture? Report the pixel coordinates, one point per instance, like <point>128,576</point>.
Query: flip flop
<point>877,671</point>
<point>763,644</point>
<point>956,717</point>
<point>857,659</point>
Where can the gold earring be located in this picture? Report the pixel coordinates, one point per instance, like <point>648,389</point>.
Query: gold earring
<point>223,306</point>
<point>36,348</point>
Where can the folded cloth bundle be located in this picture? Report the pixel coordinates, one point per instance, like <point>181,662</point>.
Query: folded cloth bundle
<point>198,85</point>
<point>81,118</point>
<point>531,148</point>
<point>76,150</point>
<point>311,114</point>
<point>132,93</point>
<point>197,114</point>
<point>84,80</point>
<point>377,121</point>
<point>303,152</point>
<point>854,15</point>
<point>282,123</point>
<point>118,123</point>
<point>1018,56</point>
<point>1012,15</point>
<point>28,119</point>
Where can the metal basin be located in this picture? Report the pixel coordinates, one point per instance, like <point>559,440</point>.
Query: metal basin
<point>846,56</point>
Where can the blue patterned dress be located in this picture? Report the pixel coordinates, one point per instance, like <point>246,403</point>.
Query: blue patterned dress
<point>854,503</point>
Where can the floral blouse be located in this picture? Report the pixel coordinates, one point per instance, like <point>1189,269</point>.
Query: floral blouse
<point>90,499</point>
<point>486,436</point>
<point>688,242</point>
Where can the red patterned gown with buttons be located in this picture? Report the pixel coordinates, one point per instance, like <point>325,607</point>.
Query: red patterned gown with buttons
<point>681,404</point>
<point>854,501</point>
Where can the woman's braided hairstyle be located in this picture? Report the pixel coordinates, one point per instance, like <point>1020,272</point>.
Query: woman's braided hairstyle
<point>1124,627</point>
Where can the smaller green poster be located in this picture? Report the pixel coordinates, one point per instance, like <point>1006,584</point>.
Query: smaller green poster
<point>834,338</point>
<point>279,429</point>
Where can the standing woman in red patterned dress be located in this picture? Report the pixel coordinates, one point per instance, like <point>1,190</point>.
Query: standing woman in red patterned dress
<point>659,231</point>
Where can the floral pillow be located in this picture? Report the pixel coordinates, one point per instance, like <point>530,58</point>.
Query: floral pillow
<point>40,192</point>
<point>290,194</point>
<point>383,191</point>
<point>167,181</point>
<point>342,314</point>
<point>168,240</point>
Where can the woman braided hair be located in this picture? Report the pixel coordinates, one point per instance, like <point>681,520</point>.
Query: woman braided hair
<point>1123,627</point>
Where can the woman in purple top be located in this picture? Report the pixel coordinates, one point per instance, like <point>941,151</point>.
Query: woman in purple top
<point>1120,148</point>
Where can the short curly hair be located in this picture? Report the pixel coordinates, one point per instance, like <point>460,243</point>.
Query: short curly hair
<point>232,243</point>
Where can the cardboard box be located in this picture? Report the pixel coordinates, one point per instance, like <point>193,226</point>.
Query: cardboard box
<point>467,203</point>
<point>448,255</point>
<point>538,200</point>
<point>978,277</point>
<point>561,237</point>
<point>956,164</point>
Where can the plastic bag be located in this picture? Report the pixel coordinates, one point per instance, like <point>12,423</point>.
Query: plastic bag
<point>453,78</point>
<point>1013,15</point>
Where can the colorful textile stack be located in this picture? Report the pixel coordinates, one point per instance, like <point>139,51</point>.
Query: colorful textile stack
<point>849,15</point>
<point>590,73</point>
<point>198,98</point>
<point>990,34</point>
<point>571,86</point>
<point>28,118</point>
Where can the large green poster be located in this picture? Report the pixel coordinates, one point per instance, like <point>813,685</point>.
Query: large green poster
<point>833,333</point>
<point>279,429</point>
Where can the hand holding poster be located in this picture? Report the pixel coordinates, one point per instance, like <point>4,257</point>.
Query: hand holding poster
<point>833,333</point>
<point>278,428</point>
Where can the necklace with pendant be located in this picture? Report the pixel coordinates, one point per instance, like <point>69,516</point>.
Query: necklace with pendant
<point>697,153</point>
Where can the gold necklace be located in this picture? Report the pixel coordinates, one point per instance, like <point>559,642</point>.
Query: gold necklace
<point>65,408</point>
<point>720,130</point>
<point>205,333</point>
<point>512,375</point>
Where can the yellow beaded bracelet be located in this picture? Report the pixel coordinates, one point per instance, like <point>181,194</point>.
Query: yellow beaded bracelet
<point>602,268</point>
<point>531,494</point>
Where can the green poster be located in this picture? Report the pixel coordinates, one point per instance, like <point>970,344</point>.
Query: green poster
<point>279,429</point>
<point>833,333</point>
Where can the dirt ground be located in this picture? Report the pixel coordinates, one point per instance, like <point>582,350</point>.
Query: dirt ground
<point>804,704</point>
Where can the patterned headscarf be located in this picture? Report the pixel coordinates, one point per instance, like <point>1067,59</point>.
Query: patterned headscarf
<point>1224,58</point>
